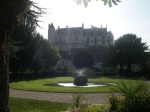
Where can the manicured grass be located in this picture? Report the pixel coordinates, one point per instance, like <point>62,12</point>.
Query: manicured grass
<point>36,85</point>
<point>28,105</point>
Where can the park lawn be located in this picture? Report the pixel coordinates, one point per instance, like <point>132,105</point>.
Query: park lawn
<point>36,85</point>
<point>28,105</point>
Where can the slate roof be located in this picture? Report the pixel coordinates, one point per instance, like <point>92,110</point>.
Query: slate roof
<point>77,30</point>
<point>74,31</point>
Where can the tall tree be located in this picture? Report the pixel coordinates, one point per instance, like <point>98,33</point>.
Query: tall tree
<point>128,50</point>
<point>10,11</point>
<point>45,56</point>
<point>50,55</point>
<point>25,35</point>
<point>10,16</point>
<point>134,49</point>
<point>83,58</point>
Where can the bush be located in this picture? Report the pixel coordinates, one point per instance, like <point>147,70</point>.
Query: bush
<point>96,108</point>
<point>77,99</point>
<point>78,103</point>
<point>90,108</point>
<point>135,98</point>
<point>106,74</point>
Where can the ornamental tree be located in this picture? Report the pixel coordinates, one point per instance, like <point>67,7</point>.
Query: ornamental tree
<point>83,58</point>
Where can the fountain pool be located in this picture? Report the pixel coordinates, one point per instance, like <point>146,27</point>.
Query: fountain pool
<point>63,84</point>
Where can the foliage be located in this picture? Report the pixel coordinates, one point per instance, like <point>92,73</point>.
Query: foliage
<point>96,108</point>
<point>45,56</point>
<point>83,58</point>
<point>30,16</point>
<point>113,102</point>
<point>35,53</point>
<point>28,40</point>
<point>77,99</point>
<point>135,98</point>
<point>128,50</point>
<point>90,108</point>
<point>109,2</point>
<point>50,55</point>
<point>65,70</point>
<point>78,103</point>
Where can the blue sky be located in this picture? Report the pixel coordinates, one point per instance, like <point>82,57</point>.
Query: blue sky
<point>130,16</point>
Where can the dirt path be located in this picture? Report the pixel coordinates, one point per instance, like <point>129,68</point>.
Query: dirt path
<point>93,98</point>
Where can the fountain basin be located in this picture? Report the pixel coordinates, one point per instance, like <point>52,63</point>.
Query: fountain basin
<point>63,84</point>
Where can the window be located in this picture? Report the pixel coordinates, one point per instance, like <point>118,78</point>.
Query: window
<point>108,38</point>
<point>95,42</point>
<point>76,38</point>
<point>103,42</point>
<point>102,37</point>
<point>95,33</point>
<point>86,33</point>
<point>95,38</point>
<point>88,40</point>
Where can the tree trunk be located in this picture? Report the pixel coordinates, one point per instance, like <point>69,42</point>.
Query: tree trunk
<point>4,70</point>
<point>9,18</point>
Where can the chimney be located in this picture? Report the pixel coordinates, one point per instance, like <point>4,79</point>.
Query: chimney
<point>49,26</point>
<point>66,26</point>
<point>91,26</point>
<point>58,27</point>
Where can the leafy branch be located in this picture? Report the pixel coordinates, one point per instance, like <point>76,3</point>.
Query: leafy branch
<point>106,2</point>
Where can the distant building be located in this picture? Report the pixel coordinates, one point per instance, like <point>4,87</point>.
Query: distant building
<point>70,40</point>
<point>66,39</point>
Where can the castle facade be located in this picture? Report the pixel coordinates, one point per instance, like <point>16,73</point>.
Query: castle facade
<point>66,39</point>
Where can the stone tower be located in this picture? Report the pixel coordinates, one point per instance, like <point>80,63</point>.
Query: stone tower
<point>51,33</point>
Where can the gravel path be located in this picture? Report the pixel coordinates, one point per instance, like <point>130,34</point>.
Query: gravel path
<point>93,98</point>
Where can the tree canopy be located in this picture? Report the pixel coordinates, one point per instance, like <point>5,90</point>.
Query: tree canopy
<point>35,52</point>
<point>83,58</point>
<point>127,50</point>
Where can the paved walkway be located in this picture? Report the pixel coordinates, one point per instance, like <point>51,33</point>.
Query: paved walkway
<point>93,98</point>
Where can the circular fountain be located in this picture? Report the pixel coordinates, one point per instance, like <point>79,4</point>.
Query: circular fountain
<point>80,80</point>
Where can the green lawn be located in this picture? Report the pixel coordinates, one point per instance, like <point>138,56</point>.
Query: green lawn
<point>28,105</point>
<point>36,85</point>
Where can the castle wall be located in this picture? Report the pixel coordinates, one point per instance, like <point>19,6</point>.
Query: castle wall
<point>79,37</point>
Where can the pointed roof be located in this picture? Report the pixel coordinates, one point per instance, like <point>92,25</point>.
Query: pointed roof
<point>52,25</point>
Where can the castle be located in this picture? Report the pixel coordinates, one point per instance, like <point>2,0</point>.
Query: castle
<point>66,39</point>
<point>70,40</point>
